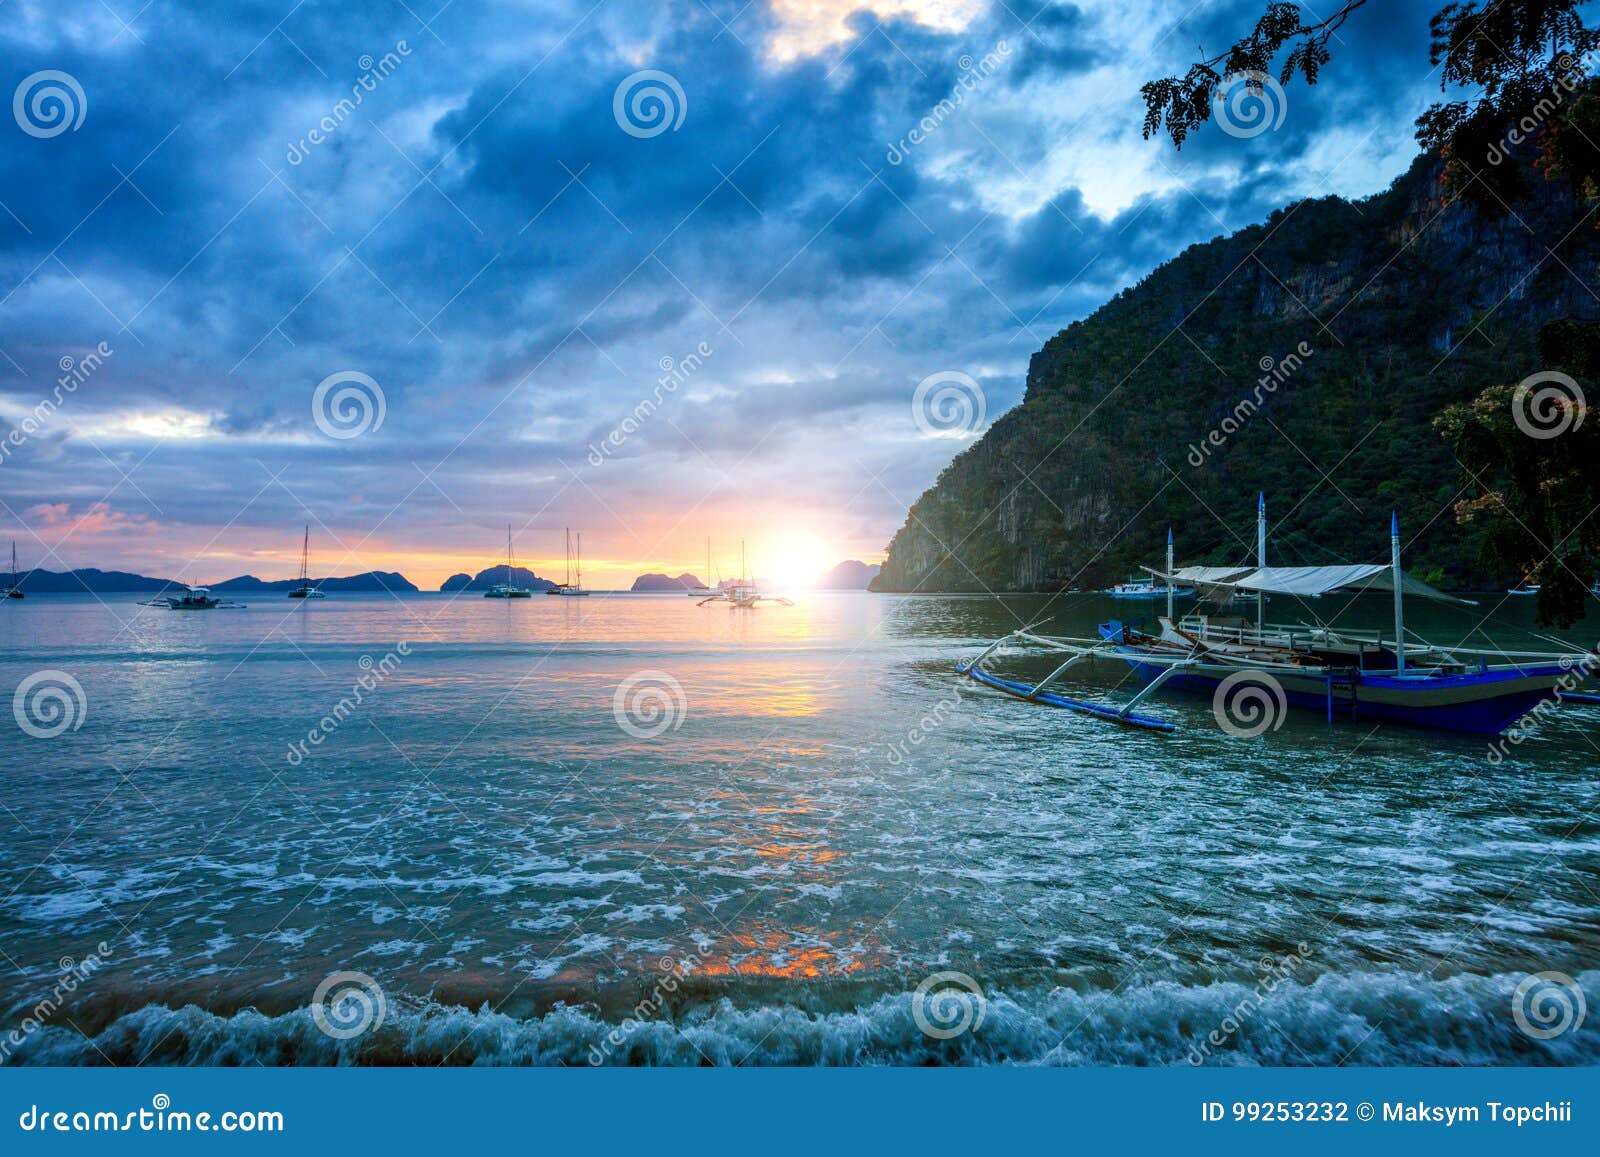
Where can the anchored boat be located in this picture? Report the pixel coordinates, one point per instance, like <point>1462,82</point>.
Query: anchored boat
<point>1147,587</point>
<point>508,589</point>
<point>190,598</point>
<point>1343,673</point>
<point>306,588</point>
<point>743,592</point>
<point>14,591</point>
<point>573,586</point>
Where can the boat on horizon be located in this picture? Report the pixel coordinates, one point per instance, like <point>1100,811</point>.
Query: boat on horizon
<point>743,592</point>
<point>307,589</point>
<point>508,589</point>
<point>1146,586</point>
<point>572,587</point>
<point>1343,673</point>
<point>190,598</point>
<point>14,591</point>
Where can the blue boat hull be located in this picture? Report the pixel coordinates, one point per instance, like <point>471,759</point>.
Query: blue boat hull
<point>1478,703</point>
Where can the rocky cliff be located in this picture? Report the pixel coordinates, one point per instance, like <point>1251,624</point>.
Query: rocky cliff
<point>1305,357</point>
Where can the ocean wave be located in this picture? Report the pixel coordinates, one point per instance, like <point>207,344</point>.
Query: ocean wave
<point>1382,1019</point>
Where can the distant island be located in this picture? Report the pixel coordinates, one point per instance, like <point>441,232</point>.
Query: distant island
<point>487,577</point>
<point>850,575</point>
<point>661,582</point>
<point>372,580</point>
<point>113,581</point>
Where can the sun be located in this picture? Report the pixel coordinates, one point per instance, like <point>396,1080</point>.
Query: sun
<point>794,562</point>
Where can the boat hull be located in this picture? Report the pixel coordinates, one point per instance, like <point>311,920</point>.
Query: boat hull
<point>1477,703</point>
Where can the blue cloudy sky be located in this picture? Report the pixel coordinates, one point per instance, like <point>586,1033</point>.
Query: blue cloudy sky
<point>499,239</point>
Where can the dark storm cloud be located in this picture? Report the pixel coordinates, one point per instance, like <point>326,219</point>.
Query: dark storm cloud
<point>483,239</point>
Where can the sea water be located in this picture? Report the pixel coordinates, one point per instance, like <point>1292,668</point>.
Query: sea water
<point>633,830</point>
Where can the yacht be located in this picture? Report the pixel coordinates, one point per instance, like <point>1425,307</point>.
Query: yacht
<point>508,589</point>
<point>307,589</point>
<point>573,586</point>
<point>14,591</point>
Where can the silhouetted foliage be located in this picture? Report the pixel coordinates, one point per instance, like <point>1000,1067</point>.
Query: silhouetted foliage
<point>1533,453</point>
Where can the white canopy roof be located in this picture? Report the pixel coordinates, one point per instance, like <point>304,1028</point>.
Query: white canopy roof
<point>1314,581</point>
<point>1210,574</point>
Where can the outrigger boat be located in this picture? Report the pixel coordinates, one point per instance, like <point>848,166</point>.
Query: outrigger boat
<point>190,598</point>
<point>1343,673</point>
<point>743,592</point>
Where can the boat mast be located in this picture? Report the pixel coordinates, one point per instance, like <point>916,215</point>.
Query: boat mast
<point>305,549</point>
<point>577,564</point>
<point>508,554</point>
<point>1169,574</point>
<point>1261,555</point>
<point>1399,597</point>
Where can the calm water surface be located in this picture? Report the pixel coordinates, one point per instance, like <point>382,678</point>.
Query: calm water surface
<point>826,819</point>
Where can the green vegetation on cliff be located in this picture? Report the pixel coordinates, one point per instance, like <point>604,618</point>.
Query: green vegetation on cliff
<point>1307,357</point>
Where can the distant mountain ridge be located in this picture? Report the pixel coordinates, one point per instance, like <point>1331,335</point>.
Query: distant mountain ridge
<point>98,581</point>
<point>490,575</point>
<point>660,582</point>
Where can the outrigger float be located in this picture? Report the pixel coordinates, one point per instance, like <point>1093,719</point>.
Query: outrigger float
<point>1344,673</point>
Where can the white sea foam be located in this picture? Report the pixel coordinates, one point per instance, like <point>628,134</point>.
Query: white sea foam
<point>1373,1019</point>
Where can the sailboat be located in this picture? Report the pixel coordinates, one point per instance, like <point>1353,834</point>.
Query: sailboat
<point>307,589</point>
<point>508,589</point>
<point>14,591</point>
<point>573,586</point>
<point>743,591</point>
<point>1342,673</point>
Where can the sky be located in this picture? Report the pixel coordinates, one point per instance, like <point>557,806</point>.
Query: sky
<point>409,271</point>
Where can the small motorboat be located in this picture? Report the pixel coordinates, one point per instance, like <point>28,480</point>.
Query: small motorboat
<point>1147,588</point>
<point>1524,589</point>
